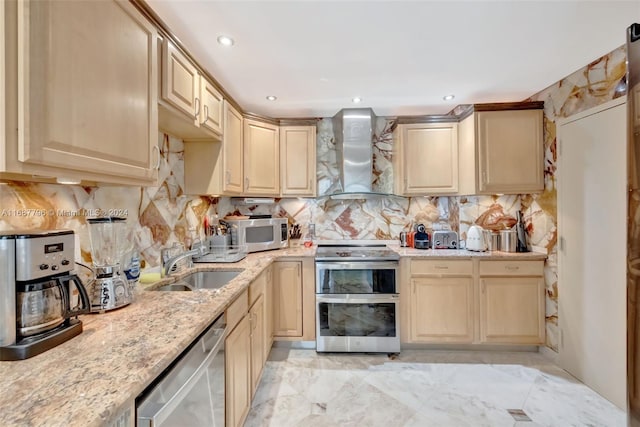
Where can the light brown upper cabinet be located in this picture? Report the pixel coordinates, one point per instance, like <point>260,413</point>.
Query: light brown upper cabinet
<point>426,159</point>
<point>213,167</point>
<point>85,101</point>
<point>211,114</point>
<point>191,106</point>
<point>502,152</point>
<point>232,150</point>
<point>298,160</point>
<point>261,158</point>
<point>180,81</point>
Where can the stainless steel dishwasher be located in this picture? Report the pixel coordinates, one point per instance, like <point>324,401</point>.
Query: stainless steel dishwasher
<point>191,391</point>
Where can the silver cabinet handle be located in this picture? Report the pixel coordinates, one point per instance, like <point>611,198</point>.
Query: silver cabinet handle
<point>228,176</point>
<point>197,105</point>
<point>246,183</point>
<point>441,267</point>
<point>157,165</point>
<point>512,267</point>
<point>206,114</point>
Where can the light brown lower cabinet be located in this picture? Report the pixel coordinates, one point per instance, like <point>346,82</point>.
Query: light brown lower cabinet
<point>442,309</point>
<point>257,325</point>
<point>512,310</point>
<point>294,300</point>
<point>238,373</point>
<point>472,301</point>
<point>287,294</point>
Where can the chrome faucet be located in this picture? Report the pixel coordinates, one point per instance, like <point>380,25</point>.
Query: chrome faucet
<point>198,249</point>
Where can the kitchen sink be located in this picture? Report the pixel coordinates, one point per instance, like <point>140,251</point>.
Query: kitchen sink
<point>202,280</point>
<point>210,279</point>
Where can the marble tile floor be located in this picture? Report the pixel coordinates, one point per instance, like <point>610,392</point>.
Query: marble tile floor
<point>421,388</point>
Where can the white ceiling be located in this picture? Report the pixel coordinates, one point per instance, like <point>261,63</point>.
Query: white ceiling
<point>401,57</point>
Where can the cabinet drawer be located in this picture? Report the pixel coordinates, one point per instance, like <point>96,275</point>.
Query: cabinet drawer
<point>237,310</point>
<point>443,267</point>
<point>511,268</point>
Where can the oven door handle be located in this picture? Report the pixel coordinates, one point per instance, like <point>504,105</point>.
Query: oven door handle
<point>154,414</point>
<point>358,299</point>
<point>357,265</point>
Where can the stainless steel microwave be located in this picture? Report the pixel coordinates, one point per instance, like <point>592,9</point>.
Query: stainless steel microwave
<point>261,234</point>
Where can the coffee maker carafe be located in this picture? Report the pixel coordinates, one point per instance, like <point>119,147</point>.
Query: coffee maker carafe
<point>109,289</point>
<point>40,297</point>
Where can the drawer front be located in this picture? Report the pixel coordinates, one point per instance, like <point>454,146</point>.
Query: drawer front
<point>443,267</point>
<point>237,310</point>
<point>511,268</point>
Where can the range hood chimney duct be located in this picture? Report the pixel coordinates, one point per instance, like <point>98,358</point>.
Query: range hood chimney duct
<point>353,130</point>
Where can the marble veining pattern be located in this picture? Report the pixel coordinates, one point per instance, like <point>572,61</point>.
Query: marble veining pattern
<point>423,388</point>
<point>162,215</point>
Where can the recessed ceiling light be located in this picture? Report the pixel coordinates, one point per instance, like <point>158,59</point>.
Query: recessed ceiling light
<point>356,100</point>
<point>271,98</point>
<point>448,97</point>
<point>225,40</point>
<point>324,79</point>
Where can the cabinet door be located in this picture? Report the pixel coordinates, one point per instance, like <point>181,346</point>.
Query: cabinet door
<point>257,318</point>
<point>430,158</point>
<point>268,311</point>
<point>261,158</point>
<point>512,310</point>
<point>510,151</point>
<point>211,113</point>
<point>441,310</point>
<point>88,88</point>
<point>238,374</point>
<point>298,160</point>
<point>180,82</point>
<point>287,296</point>
<point>232,150</point>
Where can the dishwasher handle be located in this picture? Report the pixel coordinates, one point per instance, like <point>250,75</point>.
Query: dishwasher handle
<point>151,413</point>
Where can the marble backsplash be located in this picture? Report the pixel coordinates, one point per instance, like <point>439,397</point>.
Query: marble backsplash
<point>159,216</point>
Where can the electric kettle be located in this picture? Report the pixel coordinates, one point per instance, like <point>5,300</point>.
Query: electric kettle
<point>476,240</point>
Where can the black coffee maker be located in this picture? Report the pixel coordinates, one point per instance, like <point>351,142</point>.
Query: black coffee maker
<point>421,238</point>
<point>40,297</point>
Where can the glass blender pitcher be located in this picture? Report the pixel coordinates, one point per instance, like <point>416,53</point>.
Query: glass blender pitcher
<point>109,290</point>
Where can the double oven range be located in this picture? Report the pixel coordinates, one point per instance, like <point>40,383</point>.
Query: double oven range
<point>357,299</point>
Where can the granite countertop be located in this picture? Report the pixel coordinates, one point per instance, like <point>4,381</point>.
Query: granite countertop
<point>90,379</point>
<point>465,254</point>
<point>93,377</point>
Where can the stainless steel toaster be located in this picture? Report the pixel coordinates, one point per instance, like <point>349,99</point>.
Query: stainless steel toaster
<point>445,239</point>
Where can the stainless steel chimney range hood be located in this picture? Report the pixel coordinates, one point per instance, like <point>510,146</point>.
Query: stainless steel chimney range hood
<point>354,133</point>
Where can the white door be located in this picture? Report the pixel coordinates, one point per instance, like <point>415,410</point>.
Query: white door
<point>592,183</point>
